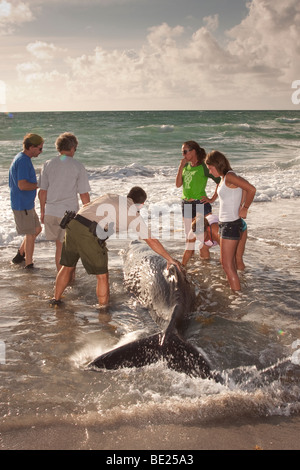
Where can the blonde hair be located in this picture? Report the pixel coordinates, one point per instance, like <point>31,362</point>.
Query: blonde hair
<point>32,140</point>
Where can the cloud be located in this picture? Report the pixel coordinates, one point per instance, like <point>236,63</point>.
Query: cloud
<point>2,93</point>
<point>32,73</point>
<point>211,22</point>
<point>29,72</point>
<point>12,14</point>
<point>268,38</point>
<point>163,37</point>
<point>87,2</point>
<point>254,67</point>
<point>163,67</point>
<point>130,74</point>
<point>43,51</point>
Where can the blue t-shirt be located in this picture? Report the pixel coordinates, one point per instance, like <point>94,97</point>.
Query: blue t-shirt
<point>21,169</point>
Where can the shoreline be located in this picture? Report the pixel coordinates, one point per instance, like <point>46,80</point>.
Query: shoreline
<point>269,433</point>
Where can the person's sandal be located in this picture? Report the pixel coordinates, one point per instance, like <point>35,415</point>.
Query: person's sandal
<point>29,266</point>
<point>55,303</point>
<point>18,258</point>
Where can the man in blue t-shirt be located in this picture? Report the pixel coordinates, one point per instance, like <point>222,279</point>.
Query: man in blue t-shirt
<point>23,186</point>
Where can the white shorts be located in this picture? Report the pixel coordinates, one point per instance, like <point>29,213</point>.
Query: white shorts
<point>53,230</point>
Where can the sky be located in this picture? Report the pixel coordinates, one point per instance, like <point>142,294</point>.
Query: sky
<point>98,55</point>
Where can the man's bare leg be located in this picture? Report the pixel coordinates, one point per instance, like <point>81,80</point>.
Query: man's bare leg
<point>28,246</point>
<point>63,279</point>
<point>102,289</point>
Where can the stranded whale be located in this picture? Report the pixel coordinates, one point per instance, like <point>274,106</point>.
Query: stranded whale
<point>169,297</point>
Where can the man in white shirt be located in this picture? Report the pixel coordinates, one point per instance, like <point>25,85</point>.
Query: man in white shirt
<point>62,179</point>
<point>107,216</point>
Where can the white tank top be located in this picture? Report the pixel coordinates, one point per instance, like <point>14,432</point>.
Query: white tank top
<point>230,201</point>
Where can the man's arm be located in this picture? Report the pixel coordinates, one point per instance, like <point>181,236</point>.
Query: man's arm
<point>24,185</point>
<point>156,246</point>
<point>85,198</point>
<point>43,198</point>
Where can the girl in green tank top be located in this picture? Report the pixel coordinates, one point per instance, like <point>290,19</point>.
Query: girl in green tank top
<point>194,181</point>
<point>192,175</point>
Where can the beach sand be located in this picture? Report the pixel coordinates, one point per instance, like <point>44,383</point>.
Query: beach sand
<point>26,428</point>
<point>275,433</point>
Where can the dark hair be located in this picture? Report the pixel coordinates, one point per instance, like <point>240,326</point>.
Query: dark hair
<point>201,154</point>
<point>219,161</point>
<point>137,194</point>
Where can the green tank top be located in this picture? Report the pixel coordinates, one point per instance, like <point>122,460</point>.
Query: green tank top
<point>195,180</point>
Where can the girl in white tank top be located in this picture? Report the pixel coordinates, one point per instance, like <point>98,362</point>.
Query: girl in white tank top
<point>236,194</point>
<point>230,201</point>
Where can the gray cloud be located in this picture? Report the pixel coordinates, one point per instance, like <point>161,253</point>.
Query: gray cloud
<point>176,68</point>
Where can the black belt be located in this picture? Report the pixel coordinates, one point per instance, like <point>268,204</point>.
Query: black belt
<point>92,226</point>
<point>83,220</point>
<point>191,200</point>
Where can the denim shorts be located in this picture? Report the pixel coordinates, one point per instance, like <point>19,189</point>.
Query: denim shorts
<point>190,209</point>
<point>231,230</point>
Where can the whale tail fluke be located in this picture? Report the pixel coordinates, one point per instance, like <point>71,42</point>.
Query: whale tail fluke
<point>178,354</point>
<point>138,353</point>
<point>184,357</point>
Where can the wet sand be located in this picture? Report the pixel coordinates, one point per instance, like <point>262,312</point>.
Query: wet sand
<point>275,433</point>
<point>17,432</point>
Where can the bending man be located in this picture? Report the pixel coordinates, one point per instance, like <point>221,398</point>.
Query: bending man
<point>86,234</point>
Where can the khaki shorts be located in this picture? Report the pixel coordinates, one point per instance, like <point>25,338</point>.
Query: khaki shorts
<point>26,222</point>
<point>81,243</point>
<point>53,230</point>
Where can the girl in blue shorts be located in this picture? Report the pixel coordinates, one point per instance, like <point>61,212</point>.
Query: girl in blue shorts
<point>236,194</point>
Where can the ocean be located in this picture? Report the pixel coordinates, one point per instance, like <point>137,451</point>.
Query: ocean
<point>251,338</point>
